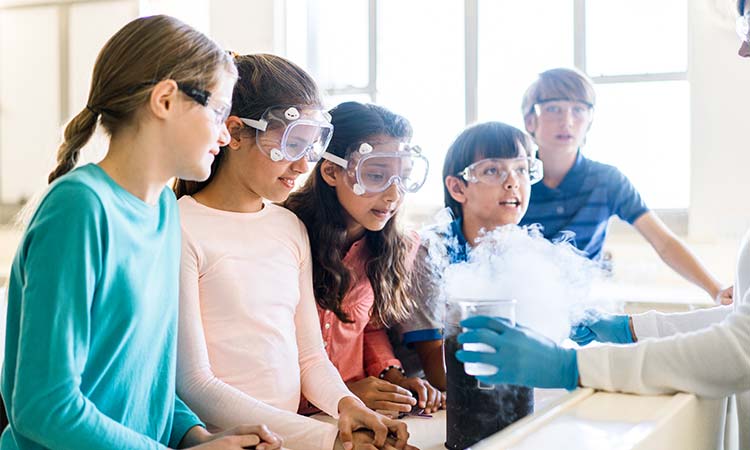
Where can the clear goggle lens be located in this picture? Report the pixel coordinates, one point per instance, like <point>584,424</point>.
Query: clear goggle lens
<point>306,132</point>
<point>374,169</point>
<point>498,170</point>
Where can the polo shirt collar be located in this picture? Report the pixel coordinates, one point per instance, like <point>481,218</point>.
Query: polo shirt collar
<point>575,176</point>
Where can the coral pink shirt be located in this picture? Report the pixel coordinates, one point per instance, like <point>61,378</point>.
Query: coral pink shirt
<point>358,349</point>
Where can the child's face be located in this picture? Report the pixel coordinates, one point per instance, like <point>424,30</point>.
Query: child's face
<point>370,211</point>
<point>559,126</point>
<point>198,133</point>
<point>491,205</point>
<point>258,174</point>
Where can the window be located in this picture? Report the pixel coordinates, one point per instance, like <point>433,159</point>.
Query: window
<point>445,64</point>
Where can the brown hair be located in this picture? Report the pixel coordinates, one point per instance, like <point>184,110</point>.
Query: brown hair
<point>143,52</point>
<point>317,205</point>
<point>558,84</point>
<point>264,81</point>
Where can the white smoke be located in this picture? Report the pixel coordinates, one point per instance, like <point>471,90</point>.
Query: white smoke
<point>551,282</point>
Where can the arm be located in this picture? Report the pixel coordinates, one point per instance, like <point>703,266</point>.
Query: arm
<point>215,401</point>
<point>657,324</point>
<point>321,382</point>
<point>61,260</point>
<point>433,362</point>
<point>378,352</point>
<point>675,253</point>
<point>713,362</point>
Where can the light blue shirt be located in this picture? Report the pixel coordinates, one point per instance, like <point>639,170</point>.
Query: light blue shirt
<point>92,322</point>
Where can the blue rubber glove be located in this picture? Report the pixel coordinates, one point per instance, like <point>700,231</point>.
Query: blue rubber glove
<point>522,357</point>
<point>602,327</point>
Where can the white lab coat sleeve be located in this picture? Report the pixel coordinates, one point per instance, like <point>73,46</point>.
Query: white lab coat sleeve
<point>653,324</point>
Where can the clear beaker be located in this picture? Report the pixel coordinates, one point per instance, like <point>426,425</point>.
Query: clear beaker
<point>460,309</point>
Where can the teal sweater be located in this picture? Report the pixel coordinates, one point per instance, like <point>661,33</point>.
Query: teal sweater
<point>92,322</point>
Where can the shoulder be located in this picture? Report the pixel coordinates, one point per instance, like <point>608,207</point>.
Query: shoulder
<point>80,191</point>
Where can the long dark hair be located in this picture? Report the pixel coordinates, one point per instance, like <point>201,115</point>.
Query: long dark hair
<point>264,81</point>
<point>316,204</point>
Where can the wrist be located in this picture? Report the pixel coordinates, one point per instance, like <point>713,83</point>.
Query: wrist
<point>625,334</point>
<point>631,328</point>
<point>348,402</point>
<point>393,374</point>
<point>195,436</point>
<point>570,369</point>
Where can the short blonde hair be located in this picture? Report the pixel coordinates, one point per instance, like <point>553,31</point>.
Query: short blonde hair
<point>558,84</point>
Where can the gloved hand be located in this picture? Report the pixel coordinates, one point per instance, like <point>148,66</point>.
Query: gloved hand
<point>602,327</point>
<point>522,356</point>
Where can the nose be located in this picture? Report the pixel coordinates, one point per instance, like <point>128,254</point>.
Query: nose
<point>224,136</point>
<point>744,49</point>
<point>512,182</point>
<point>392,194</point>
<point>301,165</point>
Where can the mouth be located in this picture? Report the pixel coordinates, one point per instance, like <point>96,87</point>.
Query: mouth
<point>382,213</point>
<point>214,151</point>
<point>513,202</point>
<point>288,182</point>
<point>564,137</point>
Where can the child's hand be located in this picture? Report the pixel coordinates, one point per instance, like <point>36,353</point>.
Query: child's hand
<point>382,395</point>
<point>237,438</point>
<point>355,417</point>
<point>364,440</point>
<point>429,398</point>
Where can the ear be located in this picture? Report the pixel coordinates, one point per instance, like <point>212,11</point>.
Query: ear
<point>531,123</point>
<point>330,173</point>
<point>162,99</point>
<point>456,188</point>
<point>235,126</point>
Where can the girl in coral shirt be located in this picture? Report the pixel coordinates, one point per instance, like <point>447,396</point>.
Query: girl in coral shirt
<point>360,257</point>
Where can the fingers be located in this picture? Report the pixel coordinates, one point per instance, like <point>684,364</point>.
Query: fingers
<point>385,386</point>
<point>390,406</point>
<point>399,429</point>
<point>434,400</point>
<point>476,357</point>
<point>481,336</point>
<point>380,430</point>
<point>420,387</point>
<point>345,433</point>
<point>498,324</point>
<point>581,334</point>
<point>263,433</point>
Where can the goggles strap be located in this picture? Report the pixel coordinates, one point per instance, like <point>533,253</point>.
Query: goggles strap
<point>257,124</point>
<point>335,159</point>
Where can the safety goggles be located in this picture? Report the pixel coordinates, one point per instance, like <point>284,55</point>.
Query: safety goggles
<point>374,169</point>
<point>497,170</point>
<point>292,132</point>
<point>743,27</point>
<point>555,109</point>
<point>204,98</point>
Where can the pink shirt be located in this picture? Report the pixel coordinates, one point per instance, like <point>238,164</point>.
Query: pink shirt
<point>358,349</point>
<point>249,341</point>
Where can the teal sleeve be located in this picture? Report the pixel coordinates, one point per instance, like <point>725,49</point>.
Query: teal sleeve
<point>184,420</point>
<point>61,261</point>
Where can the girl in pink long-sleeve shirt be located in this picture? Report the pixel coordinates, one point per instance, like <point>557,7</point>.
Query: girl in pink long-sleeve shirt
<point>360,257</point>
<point>249,343</point>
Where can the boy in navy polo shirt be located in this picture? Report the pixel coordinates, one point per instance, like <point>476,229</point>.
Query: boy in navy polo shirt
<point>488,173</point>
<point>578,196</point>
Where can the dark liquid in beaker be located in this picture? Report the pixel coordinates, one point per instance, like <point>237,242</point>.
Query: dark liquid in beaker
<point>474,413</point>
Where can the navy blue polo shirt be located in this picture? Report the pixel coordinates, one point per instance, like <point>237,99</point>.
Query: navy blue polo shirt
<point>582,204</point>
